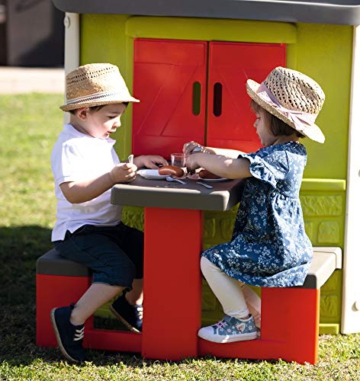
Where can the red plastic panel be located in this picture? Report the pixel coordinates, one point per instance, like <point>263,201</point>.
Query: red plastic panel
<point>230,121</point>
<point>56,291</point>
<point>109,340</point>
<point>172,283</point>
<point>289,329</point>
<point>164,75</point>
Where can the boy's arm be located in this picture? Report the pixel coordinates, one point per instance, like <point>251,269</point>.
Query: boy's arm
<point>77,192</point>
<point>149,161</point>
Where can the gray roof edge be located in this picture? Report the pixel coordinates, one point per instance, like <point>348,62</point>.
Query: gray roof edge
<point>344,12</point>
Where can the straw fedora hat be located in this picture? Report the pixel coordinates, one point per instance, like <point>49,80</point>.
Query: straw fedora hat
<point>291,96</point>
<point>95,85</point>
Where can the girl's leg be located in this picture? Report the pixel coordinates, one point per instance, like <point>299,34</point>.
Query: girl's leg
<point>253,302</point>
<point>237,324</point>
<point>95,297</point>
<point>226,289</point>
<point>223,286</point>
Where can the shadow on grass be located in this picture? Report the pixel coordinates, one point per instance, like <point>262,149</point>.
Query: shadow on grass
<point>20,247</point>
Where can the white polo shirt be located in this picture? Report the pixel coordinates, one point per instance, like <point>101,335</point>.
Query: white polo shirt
<point>76,156</point>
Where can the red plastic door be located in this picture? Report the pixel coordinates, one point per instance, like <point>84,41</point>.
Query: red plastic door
<point>178,102</point>
<point>230,121</point>
<point>169,80</point>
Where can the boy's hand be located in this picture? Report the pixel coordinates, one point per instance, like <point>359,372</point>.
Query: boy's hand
<point>123,173</point>
<point>150,161</point>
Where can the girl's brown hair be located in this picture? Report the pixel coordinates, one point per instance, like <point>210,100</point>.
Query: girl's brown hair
<point>277,126</point>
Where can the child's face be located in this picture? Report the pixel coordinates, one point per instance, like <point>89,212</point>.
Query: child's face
<point>262,126</point>
<point>100,124</point>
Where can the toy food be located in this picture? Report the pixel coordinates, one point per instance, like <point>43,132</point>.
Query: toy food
<point>171,170</point>
<point>205,174</point>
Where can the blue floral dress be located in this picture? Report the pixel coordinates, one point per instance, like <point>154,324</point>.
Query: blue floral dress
<point>269,247</point>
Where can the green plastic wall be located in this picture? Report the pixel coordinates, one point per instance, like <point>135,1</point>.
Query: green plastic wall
<point>321,51</point>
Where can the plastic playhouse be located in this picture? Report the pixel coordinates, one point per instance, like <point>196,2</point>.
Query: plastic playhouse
<point>188,63</point>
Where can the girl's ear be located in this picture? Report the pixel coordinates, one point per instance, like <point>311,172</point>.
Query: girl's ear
<point>82,112</point>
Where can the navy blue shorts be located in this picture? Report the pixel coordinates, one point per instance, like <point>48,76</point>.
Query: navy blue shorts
<point>113,253</point>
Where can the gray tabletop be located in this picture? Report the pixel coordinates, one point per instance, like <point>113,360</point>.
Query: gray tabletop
<point>163,194</point>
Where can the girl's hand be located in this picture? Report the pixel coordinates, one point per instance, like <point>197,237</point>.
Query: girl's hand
<point>192,162</point>
<point>219,165</point>
<point>150,161</point>
<point>189,147</point>
<point>123,173</point>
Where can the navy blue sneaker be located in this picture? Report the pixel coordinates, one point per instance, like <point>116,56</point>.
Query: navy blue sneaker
<point>130,316</point>
<point>68,336</point>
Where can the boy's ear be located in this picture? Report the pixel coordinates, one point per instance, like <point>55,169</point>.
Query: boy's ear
<point>82,112</point>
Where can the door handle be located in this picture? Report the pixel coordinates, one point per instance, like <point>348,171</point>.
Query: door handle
<point>217,105</point>
<point>196,107</point>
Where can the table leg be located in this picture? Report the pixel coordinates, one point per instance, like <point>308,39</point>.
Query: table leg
<point>172,283</point>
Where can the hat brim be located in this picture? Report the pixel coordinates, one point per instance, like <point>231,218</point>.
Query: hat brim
<point>313,131</point>
<point>74,106</point>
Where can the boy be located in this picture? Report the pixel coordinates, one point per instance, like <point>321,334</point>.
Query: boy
<point>88,229</point>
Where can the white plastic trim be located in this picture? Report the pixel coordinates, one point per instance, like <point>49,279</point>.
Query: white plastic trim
<point>350,320</point>
<point>72,46</point>
<point>72,41</point>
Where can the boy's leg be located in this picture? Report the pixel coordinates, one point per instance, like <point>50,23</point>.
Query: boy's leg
<point>69,321</point>
<point>131,315</point>
<point>131,240</point>
<point>136,296</point>
<point>128,306</point>
<point>96,296</point>
<point>113,271</point>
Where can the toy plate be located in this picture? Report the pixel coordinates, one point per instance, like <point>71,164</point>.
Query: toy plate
<point>151,174</point>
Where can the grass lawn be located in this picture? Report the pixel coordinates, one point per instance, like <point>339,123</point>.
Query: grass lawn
<point>29,125</point>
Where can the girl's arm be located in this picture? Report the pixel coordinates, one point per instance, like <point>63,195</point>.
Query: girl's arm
<point>220,165</point>
<point>77,192</point>
<point>193,147</point>
<point>233,153</point>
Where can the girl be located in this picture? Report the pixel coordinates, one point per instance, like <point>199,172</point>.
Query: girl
<point>269,247</point>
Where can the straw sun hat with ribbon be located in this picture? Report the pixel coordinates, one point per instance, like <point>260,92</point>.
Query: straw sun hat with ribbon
<point>95,84</point>
<point>291,96</point>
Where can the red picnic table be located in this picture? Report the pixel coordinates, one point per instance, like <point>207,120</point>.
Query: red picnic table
<point>173,227</point>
